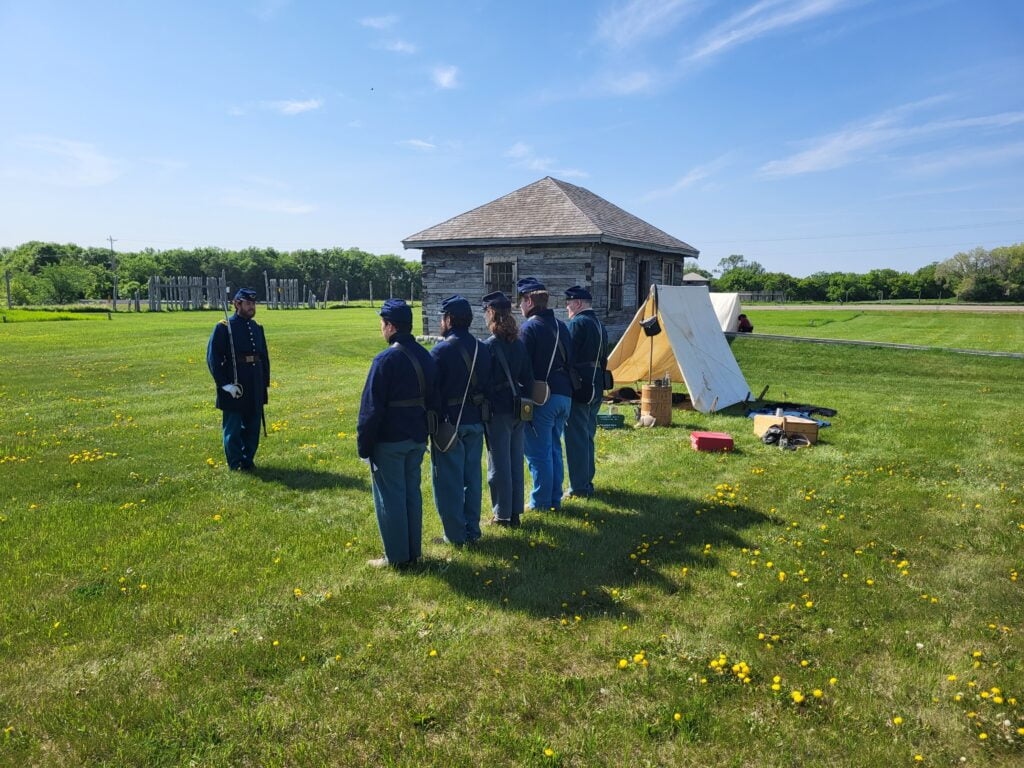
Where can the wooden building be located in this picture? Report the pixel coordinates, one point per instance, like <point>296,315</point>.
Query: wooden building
<point>561,234</point>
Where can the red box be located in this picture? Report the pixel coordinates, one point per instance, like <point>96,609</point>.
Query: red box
<point>711,441</point>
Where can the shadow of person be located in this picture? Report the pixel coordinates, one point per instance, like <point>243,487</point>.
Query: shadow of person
<point>578,560</point>
<point>307,478</point>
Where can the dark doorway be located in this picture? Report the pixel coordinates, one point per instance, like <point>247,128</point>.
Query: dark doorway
<point>643,281</point>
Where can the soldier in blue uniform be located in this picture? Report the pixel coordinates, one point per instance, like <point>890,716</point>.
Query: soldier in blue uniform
<point>549,349</point>
<point>511,379</point>
<point>242,379</point>
<point>391,435</point>
<point>590,358</point>
<point>464,389</point>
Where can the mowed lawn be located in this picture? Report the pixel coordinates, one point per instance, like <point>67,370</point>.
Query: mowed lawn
<point>998,332</point>
<point>855,603</point>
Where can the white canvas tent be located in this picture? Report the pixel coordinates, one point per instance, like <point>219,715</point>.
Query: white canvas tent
<point>727,308</point>
<point>691,347</point>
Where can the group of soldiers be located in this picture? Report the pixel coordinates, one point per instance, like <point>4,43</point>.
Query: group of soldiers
<point>518,393</point>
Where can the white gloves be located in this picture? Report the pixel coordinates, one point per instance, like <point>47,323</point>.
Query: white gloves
<point>233,389</point>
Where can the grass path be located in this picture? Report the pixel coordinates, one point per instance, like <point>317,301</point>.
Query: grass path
<point>157,610</point>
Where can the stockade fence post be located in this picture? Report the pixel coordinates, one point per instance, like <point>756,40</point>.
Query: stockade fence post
<point>327,290</point>
<point>7,281</point>
<point>138,305</point>
<point>346,291</point>
<point>371,293</point>
<point>266,287</point>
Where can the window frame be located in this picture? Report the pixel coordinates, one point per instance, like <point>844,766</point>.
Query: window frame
<point>616,282</point>
<point>491,285</point>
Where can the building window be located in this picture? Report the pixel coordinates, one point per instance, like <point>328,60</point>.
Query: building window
<point>673,273</point>
<point>499,277</point>
<point>616,269</point>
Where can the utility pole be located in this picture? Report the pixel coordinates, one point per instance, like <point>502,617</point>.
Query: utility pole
<point>113,269</point>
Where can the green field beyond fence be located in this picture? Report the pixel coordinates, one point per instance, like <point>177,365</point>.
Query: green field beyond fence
<point>856,603</point>
<point>957,330</point>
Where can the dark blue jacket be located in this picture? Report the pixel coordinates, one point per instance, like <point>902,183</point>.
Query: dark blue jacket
<point>589,346</point>
<point>538,334</point>
<point>452,374</point>
<point>518,367</point>
<point>392,378</point>
<point>252,359</point>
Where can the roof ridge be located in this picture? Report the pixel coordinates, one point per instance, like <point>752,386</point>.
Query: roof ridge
<point>558,183</point>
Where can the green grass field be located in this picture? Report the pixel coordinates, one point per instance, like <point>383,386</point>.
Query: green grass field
<point>999,332</point>
<point>156,610</point>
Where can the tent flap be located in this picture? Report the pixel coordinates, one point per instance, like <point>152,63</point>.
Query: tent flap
<point>691,348</point>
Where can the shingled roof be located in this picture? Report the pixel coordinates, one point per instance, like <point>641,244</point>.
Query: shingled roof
<point>548,211</point>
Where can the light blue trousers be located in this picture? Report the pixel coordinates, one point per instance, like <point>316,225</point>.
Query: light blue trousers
<point>241,437</point>
<point>579,446</point>
<point>543,448</point>
<point>505,466</point>
<point>458,485</point>
<point>397,499</point>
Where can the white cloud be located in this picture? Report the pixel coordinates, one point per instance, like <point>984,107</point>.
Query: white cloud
<point>379,22</point>
<point>293,106</point>
<point>446,76</point>
<point>66,163</point>
<point>694,175</point>
<point>418,144</point>
<point>400,46</point>
<point>637,20</point>
<point>525,157</point>
<point>760,19</point>
<point>860,141</point>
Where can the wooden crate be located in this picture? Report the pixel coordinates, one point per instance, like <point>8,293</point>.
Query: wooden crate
<point>791,425</point>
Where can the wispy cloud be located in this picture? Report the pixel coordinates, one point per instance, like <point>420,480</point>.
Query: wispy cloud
<point>696,174</point>
<point>400,46</point>
<point>65,163</point>
<point>941,162</point>
<point>760,19</point>
<point>628,83</point>
<point>632,22</point>
<point>267,10</point>
<point>379,22</point>
<point>446,76</point>
<point>293,106</point>
<point>888,130</point>
<point>524,156</point>
<point>426,146</point>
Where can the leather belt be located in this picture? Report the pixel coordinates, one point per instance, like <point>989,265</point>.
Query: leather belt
<point>249,359</point>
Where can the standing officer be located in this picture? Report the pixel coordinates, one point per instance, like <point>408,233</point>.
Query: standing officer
<point>548,347</point>
<point>464,388</point>
<point>589,354</point>
<point>511,380</point>
<point>237,358</point>
<point>391,435</point>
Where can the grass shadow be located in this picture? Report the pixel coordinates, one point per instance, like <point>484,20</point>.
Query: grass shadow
<point>567,561</point>
<point>307,479</point>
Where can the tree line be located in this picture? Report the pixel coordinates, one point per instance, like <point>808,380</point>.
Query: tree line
<point>55,273</point>
<point>976,275</point>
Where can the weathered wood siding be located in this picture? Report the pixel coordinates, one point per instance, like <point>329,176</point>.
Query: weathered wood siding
<point>448,271</point>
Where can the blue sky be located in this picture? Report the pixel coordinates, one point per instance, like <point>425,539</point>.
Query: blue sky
<point>804,134</point>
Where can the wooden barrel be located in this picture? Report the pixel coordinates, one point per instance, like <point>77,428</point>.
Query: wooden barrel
<point>657,401</point>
